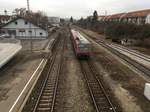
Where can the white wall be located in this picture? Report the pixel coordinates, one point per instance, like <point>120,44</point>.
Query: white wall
<point>54,19</point>
<point>148,19</point>
<point>37,32</point>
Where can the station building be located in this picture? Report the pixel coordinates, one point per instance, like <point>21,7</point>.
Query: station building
<point>24,29</point>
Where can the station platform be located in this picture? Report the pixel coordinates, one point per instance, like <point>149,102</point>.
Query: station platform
<point>8,51</point>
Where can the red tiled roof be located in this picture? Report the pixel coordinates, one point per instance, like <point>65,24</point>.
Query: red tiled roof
<point>141,13</point>
<point>107,17</point>
<point>102,16</point>
<point>114,16</point>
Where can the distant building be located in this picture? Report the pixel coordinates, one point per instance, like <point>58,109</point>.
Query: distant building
<point>23,29</point>
<point>116,17</point>
<point>54,20</point>
<point>136,17</point>
<point>101,18</point>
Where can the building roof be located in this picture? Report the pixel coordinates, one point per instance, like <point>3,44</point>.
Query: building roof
<point>13,20</point>
<point>107,17</point>
<point>101,17</point>
<point>141,13</point>
<point>115,16</point>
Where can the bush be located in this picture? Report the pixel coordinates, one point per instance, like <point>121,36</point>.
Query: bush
<point>119,30</point>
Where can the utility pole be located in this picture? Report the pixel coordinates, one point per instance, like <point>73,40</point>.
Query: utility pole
<point>105,23</point>
<point>30,31</point>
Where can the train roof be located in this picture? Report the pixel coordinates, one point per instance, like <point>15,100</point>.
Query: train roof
<point>80,38</point>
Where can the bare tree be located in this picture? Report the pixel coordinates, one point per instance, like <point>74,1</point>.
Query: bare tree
<point>39,18</point>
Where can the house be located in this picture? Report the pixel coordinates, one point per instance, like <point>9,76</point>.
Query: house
<point>137,17</point>
<point>117,17</point>
<point>53,19</point>
<point>101,18</point>
<point>21,28</point>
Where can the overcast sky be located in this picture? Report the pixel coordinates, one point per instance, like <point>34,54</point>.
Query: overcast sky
<point>76,8</point>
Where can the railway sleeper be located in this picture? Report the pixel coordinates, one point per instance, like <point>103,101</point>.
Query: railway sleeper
<point>45,100</point>
<point>47,93</point>
<point>105,109</point>
<point>100,98</point>
<point>47,109</point>
<point>45,104</point>
<point>46,97</point>
<point>48,90</point>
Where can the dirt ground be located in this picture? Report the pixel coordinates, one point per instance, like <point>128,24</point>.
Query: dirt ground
<point>127,86</point>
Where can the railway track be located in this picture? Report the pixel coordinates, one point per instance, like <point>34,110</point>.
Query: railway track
<point>43,96</point>
<point>134,53</point>
<point>135,64</point>
<point>101,99</point>
<point>138,66</point>
<point>46,99</point>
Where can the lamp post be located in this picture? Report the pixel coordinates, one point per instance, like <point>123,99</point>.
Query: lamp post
<point>30,31</point>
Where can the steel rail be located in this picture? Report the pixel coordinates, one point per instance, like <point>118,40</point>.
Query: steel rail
<point>93,82</point>
<point>131,52</point>
<point>132,62</point>
<point>93,69</point>
<point>56,81</point>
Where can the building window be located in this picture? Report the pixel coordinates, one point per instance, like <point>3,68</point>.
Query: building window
<point>30,31</point>
<point>41,33</point>
<point>21,30</point>
<point>26,22</point>
<point>16,22</point>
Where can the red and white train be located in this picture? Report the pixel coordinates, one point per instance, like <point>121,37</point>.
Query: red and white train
<point>82,46</point>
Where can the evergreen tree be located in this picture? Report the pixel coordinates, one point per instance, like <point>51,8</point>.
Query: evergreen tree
<point>95,16</point>
<point>71,19</point>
